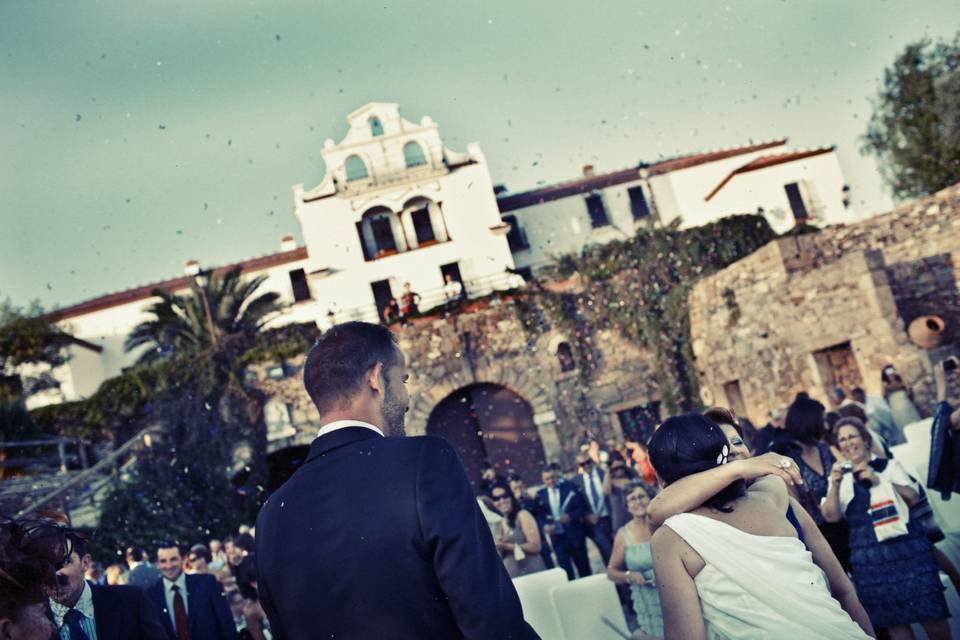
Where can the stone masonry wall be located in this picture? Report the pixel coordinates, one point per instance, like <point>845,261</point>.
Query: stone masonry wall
<point>442,359</point>
<point>760,321</point>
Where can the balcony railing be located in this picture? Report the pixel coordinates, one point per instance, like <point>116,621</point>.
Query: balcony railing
<point>435,300</point>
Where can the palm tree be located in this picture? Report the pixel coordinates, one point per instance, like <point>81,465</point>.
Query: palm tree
<point>181,324</point>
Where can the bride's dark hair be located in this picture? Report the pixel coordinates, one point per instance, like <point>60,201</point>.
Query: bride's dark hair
<point>688,444</point>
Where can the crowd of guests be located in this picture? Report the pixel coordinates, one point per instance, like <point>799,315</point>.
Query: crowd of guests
<point>204,592</point>
<point>871,514</point>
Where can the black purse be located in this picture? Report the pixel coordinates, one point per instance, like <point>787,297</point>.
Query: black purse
<point>922,513</point>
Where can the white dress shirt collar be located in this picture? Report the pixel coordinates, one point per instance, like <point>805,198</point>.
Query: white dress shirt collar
<point>330,427</point>
<point>84,605</point>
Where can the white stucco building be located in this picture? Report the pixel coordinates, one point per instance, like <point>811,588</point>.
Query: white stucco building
<point>787,186</point>
<point>397,207</point>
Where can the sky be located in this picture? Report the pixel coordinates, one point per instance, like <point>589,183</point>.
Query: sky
<point>137,135</point>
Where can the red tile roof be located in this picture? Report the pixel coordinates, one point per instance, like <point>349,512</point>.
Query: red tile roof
<point>590,183</point>
<point>175,284</point>
<point>763,162</point>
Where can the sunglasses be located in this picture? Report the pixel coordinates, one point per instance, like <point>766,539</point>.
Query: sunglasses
<point>500,496</point>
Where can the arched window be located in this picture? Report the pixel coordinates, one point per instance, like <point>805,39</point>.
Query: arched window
<point>356,168</point>
<point>413,155</point>
<point>565,357</point>
<point>376,128</point>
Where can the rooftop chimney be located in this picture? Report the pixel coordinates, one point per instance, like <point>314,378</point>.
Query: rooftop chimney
<point>191,268</point>
<point>288,243</point>
<point>587,170</point>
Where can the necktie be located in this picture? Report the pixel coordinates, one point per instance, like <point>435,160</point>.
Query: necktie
<point>594,499</point>
<point>72,619</point>
<point>180,615</point>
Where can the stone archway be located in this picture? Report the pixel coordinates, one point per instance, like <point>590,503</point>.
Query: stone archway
<point>489,422</point>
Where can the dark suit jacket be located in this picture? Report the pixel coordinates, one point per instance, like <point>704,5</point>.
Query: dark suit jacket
<point>379,537</point>
<point>207,609</point>
<point>573,534</point>
<point>581,483</point>
<point>124,613</point>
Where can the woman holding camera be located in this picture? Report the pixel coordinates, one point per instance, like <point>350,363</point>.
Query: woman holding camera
<point>892,561</point>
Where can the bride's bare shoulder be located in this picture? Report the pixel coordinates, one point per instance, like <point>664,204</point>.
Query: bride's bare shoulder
<point>667,543</point>
<point>771,488</point>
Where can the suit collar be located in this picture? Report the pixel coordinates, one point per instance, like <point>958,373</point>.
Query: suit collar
<point>339,438</point>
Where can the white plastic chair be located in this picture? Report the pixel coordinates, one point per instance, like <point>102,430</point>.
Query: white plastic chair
<point>582,604</point>
<point>538,610</point>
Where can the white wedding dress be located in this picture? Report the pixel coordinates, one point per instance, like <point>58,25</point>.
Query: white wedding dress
<point>760,586</point>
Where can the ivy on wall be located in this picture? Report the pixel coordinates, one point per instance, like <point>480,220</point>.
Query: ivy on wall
<point>639,287</point>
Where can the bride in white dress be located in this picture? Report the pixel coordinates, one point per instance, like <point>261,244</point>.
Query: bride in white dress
<point>734,567</point>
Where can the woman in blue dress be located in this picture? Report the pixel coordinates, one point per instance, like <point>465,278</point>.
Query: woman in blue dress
<point>631,561</point>
<point>895,573</point>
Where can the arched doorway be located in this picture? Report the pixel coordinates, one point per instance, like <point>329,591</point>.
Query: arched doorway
<point>488,422</point>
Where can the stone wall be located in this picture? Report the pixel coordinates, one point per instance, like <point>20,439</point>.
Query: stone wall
<point>765,322</point>
<point>489,344</point>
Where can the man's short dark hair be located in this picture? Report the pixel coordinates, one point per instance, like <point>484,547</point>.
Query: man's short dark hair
<point>551,466</point>
<point>169,544</point>
<point>858,394</point>
<point>338,361</point>
<point>139,553</point>
<point>201,551</point>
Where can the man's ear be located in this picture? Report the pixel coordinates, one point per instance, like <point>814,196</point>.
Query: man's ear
<point>85,562</point>
<point>375,378</point>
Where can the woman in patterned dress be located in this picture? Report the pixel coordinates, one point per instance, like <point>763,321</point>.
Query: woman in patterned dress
<point>632,563</point>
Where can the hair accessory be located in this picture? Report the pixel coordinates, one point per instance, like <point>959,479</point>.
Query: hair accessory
<point>722,456</point>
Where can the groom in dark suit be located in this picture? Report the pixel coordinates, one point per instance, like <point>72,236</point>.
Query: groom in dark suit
<point>377,535</point>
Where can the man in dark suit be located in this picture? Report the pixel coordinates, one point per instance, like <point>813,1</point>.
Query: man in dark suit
<point>374,536</point>
<point>192,607</point>
<point>564,508</point>
<point>84,611</point>
<point>142,573</point>
<point>596,520</point>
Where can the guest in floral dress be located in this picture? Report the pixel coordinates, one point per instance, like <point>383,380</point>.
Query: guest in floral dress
<point>632,563</point>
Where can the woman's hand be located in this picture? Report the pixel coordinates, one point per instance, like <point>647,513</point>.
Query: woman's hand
<point>769,464</point>
<point>836,472</point>
<point>863,471</point>
<point>635,577</point>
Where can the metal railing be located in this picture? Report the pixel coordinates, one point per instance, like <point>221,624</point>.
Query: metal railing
<point>434,300</point>
<point>89,482</point>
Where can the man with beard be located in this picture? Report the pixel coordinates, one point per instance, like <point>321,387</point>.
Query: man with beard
<point>84,611</point>
<point>377,535</point>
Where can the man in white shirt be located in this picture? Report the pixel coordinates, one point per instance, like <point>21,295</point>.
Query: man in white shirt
<point>596,522</point>
<point>193,607</point>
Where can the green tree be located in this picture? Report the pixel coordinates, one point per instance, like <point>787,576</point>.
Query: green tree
<point>181,323</point>
<point>914,130</point>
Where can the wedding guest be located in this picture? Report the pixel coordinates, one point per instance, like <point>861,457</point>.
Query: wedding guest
<point>805,423</point>
<point>899,396</point>
<point>391,311</point>
<point>95,573</point>
<point>893,564</point>
<point>218,557</point>
<point>409,301</point>
<point>29,559</point>
<point>488,478</point>
<point>452,289</point>
<point>199,559</point>
<point>772,434</point>
<point>596,519</point>
<point>564,508</point>
<point>530,505</point>
<point>631,562</point>
<point>615,483</point>
<point>519,538</point>
<point>116,574</point>
<point>142,573</point>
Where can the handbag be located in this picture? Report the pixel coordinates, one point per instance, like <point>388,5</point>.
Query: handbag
<point>922,512</point>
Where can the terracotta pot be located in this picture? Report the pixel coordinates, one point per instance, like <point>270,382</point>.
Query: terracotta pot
<point>927,332</point>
